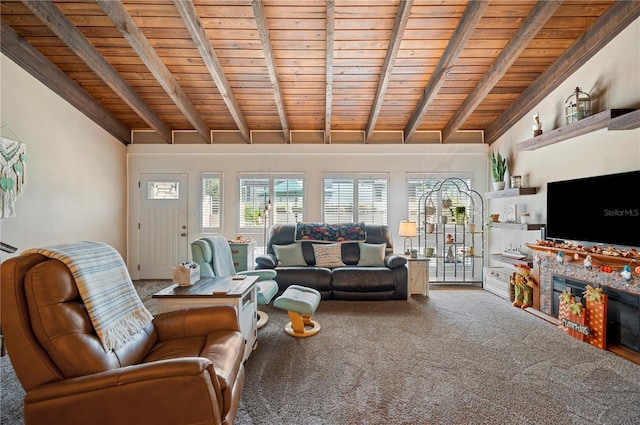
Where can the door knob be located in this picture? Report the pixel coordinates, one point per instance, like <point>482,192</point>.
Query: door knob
<point>183,234</point>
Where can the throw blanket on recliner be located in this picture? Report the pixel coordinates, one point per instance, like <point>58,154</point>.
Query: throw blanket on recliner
<point>221,260</point>
<point>331,232</point>
<point>105,286</point>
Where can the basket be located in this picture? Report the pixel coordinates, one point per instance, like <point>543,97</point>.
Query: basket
<point>186,274</point>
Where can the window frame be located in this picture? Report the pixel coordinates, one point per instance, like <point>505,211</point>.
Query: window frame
<point>271,200</point>
<point>413,200</point>
<point>356,180</point>
<point>209,229</point>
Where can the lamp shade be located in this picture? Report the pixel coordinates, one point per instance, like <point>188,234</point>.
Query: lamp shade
<point>408,229</point>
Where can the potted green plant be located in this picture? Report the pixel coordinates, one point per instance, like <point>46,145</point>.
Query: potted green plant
<point>498,170</point>
<point>461,214</point>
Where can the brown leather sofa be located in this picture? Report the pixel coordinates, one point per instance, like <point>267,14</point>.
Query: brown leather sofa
<point>186,368</point>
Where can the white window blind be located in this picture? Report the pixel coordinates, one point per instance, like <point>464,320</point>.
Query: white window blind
<point>211,207</point>
<point>288,195</point>
<point>418,185</point>
<point>254,196</point>
<point>282,193</point>
<point>355,197</point>
<point>338,200</point>
<point>372,200</point>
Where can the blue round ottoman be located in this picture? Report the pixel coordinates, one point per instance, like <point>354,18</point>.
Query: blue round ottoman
<point>300,302</point>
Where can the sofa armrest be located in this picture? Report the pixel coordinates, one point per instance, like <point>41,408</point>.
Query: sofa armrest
<point>393,261</point>
<point>262,274</point>
<point>266,261</point>
<point>176,391</point>
<point>196,321</point>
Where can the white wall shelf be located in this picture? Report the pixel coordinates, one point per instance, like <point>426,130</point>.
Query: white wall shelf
<point>509,193</point>
<point>517,226</point>
<point>613,119</point>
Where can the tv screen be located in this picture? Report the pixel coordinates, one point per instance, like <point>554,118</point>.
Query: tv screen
<point>602,209</point>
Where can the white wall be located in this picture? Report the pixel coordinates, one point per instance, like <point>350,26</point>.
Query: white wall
<point>612,78</point>
<point>312,160</point>
<point>76,172</point>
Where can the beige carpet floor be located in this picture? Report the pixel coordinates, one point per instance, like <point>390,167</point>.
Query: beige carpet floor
<point>458,357</point>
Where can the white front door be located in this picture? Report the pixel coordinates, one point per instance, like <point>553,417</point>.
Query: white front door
<point>163,224</point>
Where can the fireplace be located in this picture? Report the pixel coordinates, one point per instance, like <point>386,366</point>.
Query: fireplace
<point>623,319</point>
<point>561,283</point>
<point>623,310</point>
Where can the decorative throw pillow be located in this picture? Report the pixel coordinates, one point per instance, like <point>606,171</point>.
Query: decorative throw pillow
<point>328,255</point>
<point>371,254</point>
<point>289,255</point>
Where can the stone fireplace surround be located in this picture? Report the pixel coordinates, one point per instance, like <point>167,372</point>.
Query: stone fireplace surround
<point>575,270</point>
<point>623,317</point>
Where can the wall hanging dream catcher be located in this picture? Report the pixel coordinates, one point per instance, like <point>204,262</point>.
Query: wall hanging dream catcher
<point>13,158</point>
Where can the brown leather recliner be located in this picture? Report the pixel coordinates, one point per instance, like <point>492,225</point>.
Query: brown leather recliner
<point>185,368</point>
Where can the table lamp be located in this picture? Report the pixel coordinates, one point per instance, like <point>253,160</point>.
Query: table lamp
<point>408,229</point>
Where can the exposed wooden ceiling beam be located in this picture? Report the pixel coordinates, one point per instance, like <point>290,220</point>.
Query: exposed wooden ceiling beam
<point>468,21</point>
<point>61,26</point>
<point>615,19</point>
<point>540,14</point>
<point>402,16</point>
<point>201,40</point>
<point>116,11</point>
<point>31,60</point>
<point>265,39</point>
<point>331,29</point>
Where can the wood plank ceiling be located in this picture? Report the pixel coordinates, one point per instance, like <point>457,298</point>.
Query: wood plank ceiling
<point>387,70</point>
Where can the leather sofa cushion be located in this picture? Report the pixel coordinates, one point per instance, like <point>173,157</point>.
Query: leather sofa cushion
<point>361,279</point>
<point>222,348</point>
<point>318,278</point>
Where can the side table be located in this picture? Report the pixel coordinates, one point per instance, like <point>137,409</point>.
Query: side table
<point>243,255</point>
<point>217,290</point>
<point>418,275</point>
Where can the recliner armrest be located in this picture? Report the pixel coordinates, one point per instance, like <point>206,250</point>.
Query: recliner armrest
<point>266,261</point>
<point>394,261</point>
<point>265,274</point>
<point>196,321</point>
<point>188,387</point>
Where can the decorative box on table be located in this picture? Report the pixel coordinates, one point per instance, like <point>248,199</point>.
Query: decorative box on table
<point>186,274</point>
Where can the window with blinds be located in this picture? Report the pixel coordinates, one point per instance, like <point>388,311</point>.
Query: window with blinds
<point>420,184</point>
<point>269,199</point>
<point>211,196</point>
<point>351,198</point>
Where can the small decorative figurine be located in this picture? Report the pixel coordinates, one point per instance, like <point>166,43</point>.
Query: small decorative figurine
<point>450,257</point>
<point>537,259</point>
<point>537,125</point>
<point>523,282</point>
<point>559,257</point>
<point>587,262</point>
<point>626,274</point>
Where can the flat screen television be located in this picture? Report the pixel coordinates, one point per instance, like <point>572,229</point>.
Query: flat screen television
<point>602,209</point>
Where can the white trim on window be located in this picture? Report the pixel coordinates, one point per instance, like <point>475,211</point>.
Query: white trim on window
<point>418,184</point>
<point>210,202</point>
<point>274,198</point>
<point>353,197</point>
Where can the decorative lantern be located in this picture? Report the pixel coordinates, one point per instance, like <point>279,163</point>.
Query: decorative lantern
<point>577,106</point>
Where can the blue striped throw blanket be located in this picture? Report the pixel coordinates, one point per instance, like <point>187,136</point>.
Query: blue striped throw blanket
<point>103,281</point>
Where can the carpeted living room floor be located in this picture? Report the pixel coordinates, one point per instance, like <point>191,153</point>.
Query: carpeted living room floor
<point>457,357</point>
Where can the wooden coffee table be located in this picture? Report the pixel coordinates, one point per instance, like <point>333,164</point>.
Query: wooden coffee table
<point>241,293</point>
